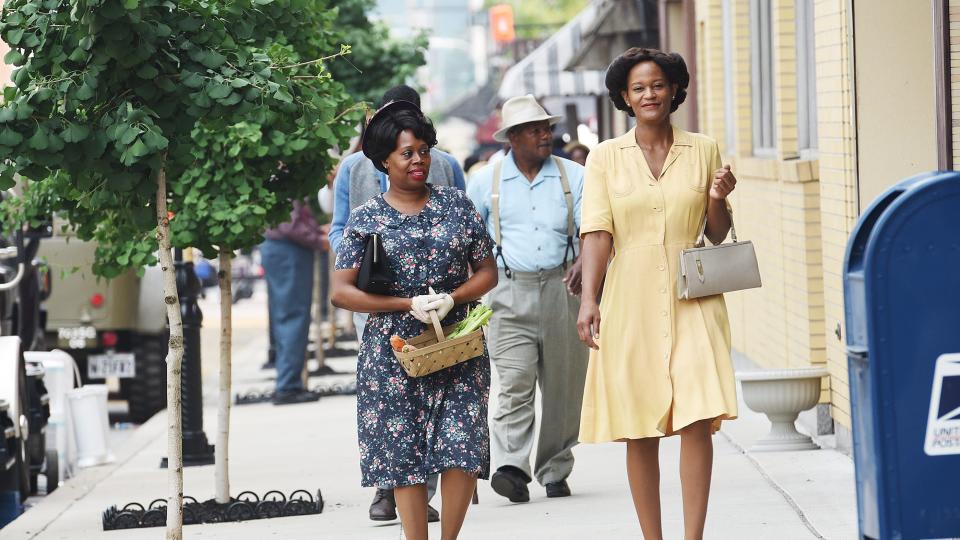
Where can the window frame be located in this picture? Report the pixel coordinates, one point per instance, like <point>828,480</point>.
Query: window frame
<point>762,79</point>
<point>807,134</point>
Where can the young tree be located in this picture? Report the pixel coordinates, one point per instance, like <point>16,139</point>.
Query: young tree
<point>109,100</point>
<point>234,190</point>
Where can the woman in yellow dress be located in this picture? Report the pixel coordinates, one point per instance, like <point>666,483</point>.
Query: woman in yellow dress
<point>659,366</point>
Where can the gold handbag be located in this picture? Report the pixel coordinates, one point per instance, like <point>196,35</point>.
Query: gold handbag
<point>709,270</point>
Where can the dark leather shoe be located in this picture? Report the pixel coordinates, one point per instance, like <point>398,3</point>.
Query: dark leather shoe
<point>558,489</point>
<point>384,506</point>
<point>432,515</point>
<point>511,483</point>
<point>294,396</point>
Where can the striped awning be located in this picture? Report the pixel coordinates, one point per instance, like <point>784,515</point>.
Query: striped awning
<point>542,73</point>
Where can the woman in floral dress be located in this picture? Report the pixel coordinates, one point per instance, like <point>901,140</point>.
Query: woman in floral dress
<point>410,428</point>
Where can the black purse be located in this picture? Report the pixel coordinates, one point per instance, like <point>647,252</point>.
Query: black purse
<point>375,276</point>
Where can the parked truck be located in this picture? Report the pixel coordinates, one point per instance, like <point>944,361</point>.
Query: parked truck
<point>24,402</point>
<point>113,328</point>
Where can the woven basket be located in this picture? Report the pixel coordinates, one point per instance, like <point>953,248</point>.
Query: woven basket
<point>434,352</point>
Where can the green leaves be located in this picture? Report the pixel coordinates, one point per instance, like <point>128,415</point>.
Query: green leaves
<point>108,92</point>
<point>218,90</point>
<point>13,36</point>
<point>75,133</point>
<point>191,79</point>
<point>9,137</point>
<point>14,57</point>
<point>146,71</point>
<point>84,93</point>
<point>39,140</point>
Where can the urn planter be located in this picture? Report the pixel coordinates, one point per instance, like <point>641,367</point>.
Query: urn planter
<point>782,394</point>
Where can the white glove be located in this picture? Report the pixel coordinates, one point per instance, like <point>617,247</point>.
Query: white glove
<point>418,306</point>
<point>443,305</point>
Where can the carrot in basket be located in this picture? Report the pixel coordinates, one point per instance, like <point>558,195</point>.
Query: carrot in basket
<point>397,343</point>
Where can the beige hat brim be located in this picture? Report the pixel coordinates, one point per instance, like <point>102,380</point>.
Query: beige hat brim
<point>501,134</point>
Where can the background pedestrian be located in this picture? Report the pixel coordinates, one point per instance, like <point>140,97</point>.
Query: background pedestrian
<point>287,257</point>
<point>530,203</point>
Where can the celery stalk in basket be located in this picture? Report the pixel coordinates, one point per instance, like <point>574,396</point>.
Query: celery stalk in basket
<point>476,318</point>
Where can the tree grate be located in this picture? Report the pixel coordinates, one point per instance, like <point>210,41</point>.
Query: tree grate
<point>246,506</point>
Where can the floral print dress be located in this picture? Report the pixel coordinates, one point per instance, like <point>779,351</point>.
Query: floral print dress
<point>410,428</point>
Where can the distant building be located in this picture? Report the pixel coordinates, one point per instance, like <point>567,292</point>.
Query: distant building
<point>450,57</point>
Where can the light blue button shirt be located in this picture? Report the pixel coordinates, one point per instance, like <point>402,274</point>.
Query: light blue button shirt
<point>533,215</point>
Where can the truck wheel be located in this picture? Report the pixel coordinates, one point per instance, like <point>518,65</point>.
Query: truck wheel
<point>148,390</point>
<point>52,472</point>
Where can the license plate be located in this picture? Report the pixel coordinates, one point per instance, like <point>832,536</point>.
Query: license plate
<point>80,337</point>
<point>122,365</point>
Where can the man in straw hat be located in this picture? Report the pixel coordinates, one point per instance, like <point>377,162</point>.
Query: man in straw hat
<point>530,201</point>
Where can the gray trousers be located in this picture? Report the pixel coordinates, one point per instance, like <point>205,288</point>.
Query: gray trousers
<point>360,321</point>
<point>533,341</point>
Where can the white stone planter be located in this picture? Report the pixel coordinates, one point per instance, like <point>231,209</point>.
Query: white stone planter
<point>782,394</point>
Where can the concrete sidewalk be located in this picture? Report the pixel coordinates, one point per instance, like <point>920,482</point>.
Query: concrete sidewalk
<point>782,496</point>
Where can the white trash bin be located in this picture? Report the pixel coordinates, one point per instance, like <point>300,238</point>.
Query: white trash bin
<point>60,372</point>
<point>88,409</point>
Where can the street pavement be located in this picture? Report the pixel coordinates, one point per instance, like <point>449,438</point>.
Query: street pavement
<point>780,495</point>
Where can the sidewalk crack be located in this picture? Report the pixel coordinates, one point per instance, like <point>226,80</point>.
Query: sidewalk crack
<point>783,493</point>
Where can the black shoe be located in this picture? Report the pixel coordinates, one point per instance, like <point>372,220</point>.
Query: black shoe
<point>384,506</point>
<point>511,483</point>
<point>558,489</point>
<point>294,396</point>
<point>269,365</point>
<point>432,515</point>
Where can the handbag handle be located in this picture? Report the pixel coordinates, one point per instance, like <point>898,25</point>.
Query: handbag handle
<point>703,229</point>
<point>436,321</point>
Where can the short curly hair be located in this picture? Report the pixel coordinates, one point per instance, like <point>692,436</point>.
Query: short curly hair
<point>382,134</point>
<point>671,64</point>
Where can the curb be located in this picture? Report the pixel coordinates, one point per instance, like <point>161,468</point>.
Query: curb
<point>35,520</point>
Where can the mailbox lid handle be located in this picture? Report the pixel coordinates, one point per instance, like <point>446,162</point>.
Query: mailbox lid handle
<point>859,352</point>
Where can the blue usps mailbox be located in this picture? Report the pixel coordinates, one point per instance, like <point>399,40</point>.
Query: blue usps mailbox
<point>902,298</point>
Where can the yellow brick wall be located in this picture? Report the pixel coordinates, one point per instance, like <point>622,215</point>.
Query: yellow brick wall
<point>777,200</point>
<point>838,200</point>
<point>742,100</point>
<point>954,17</point>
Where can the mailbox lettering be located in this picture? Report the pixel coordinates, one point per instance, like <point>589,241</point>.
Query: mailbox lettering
<point>943,420</point>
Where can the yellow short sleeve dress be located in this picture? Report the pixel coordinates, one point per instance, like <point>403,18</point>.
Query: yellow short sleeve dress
<point>663,363</point>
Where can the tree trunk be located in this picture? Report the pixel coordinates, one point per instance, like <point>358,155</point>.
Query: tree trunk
<point>222,454</point>
<point>174,362</point>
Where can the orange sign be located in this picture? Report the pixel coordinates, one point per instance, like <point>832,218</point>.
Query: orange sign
<point>501,22</point>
